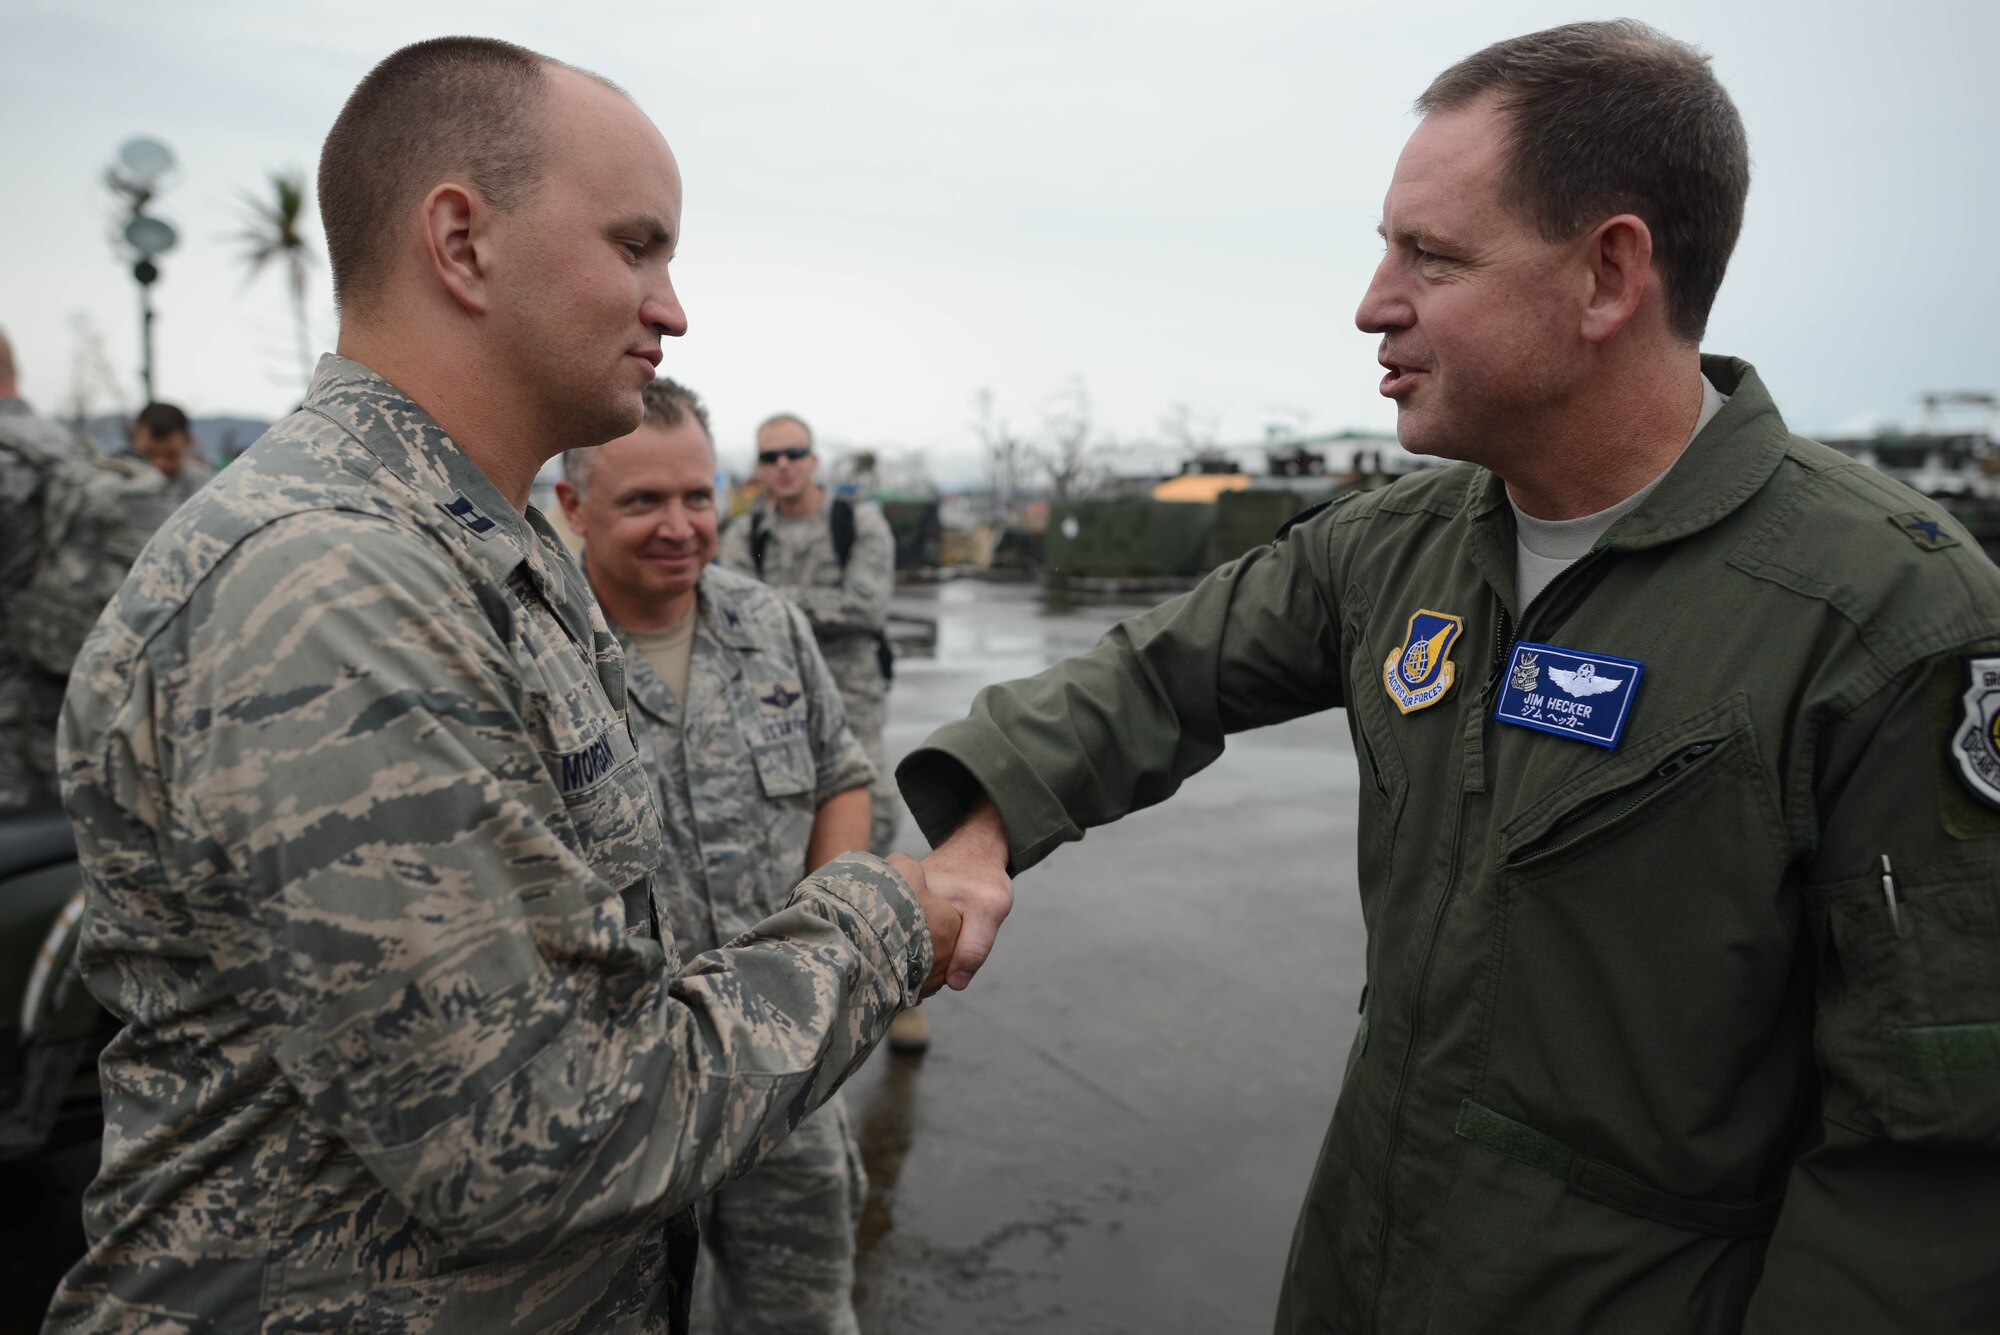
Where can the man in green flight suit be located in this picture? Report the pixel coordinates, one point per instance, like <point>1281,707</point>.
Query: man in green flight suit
<point>1680,808</point>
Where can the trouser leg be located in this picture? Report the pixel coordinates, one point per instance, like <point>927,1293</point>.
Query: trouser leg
<point>779,1241</point>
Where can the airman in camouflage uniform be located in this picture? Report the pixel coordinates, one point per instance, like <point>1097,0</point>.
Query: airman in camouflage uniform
<point>738,817</point>
<point>369,850</point>
<point>848,607</point>
<point>163,437</point>
<point>371,865</point>
<point>30,448</point>
<point>749,752</point>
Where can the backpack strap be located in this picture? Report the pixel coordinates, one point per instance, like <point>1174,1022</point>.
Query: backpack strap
<point>760,540</point>
<point>841,521</point>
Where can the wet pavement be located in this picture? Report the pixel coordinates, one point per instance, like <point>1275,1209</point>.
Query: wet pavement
<point>1113,1128</point>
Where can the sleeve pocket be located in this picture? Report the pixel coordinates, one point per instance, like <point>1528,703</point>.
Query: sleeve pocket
<point>1909,1010</point>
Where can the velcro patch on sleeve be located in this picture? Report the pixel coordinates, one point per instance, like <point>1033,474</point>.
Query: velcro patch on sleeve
<point>1975,743</point>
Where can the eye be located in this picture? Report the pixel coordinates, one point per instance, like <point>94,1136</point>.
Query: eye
<point>634,250</point>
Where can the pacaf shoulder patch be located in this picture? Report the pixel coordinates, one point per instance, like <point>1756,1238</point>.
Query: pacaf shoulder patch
<point>1975,747</point>
<point>1417,672</point>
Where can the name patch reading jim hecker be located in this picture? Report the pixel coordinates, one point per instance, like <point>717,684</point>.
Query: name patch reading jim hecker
<point>1571,694</point>
<point>1417,673</point>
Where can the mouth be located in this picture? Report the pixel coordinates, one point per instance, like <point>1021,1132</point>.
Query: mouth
<point>650,356</point>
<point>1399,380</point>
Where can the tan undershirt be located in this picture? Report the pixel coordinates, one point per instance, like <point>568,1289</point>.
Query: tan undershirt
<point>670,651</point>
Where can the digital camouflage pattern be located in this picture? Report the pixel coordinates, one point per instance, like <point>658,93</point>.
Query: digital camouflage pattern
<point>742,766</point>
<point>370,859</point>
<point>744,763</point>
<point>30,448</point>
<point>1699,1035</point>
<point>779,1242</point>
<point>97,516</point>
<point>845,608</point>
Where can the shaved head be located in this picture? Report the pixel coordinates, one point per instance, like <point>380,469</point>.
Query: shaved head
<point>466,108</point>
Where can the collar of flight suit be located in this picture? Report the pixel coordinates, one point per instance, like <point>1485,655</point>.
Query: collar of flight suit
<point>498,538</point>
<point>1722,467</point>
<point>718,637</point>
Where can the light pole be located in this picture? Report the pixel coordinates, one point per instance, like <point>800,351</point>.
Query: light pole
<point>136,177</point>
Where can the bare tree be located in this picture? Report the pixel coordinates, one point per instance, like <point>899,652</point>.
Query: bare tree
<point>1189,430</point>
<point>90,373</point>
<point>1004,454</point>
<point>274,232</point>
<point>1071,451</point>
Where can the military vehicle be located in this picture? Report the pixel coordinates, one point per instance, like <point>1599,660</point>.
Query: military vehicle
<point>51,1029</point>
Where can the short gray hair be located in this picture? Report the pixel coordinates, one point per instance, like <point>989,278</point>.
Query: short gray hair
<point>667,403</point>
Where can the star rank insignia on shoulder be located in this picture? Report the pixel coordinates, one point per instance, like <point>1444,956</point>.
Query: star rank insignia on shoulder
<point>1926,530</point>
<point>1417,672</point>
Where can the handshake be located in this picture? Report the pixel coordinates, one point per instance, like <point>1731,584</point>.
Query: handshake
<point>966,894</point>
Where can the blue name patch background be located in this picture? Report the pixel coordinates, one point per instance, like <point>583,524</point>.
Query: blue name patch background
<point>1571,694</point>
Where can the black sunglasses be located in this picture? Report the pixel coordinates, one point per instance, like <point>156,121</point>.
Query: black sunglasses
<point>792,452</point>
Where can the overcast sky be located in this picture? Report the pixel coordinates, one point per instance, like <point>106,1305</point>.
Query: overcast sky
<point>893,203</point>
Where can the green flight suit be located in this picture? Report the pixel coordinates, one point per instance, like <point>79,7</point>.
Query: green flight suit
<point>1643,1047</point>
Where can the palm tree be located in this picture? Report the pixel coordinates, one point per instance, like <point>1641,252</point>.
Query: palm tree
<point>273,234</point>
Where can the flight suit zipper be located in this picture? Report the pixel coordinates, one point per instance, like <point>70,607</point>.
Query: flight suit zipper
<point>1505,636</point>
<point>1623,800</point>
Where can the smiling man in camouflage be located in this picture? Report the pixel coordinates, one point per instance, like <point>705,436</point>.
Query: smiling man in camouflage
<point>760,780</point>
<point>371,855</point>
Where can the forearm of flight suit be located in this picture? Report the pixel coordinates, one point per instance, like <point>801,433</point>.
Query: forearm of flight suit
<point>465,1000</point>
<point>1892,1223</point>
<point>1119,727</point>
<point>859,604</point>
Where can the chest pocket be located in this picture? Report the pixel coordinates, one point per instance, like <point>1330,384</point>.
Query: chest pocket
<point>1634,807</point>
<point>607,795</point>
<point>776,729</point>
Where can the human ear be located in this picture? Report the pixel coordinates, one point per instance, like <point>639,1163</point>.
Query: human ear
<point>454,233</point>
<point>1618,257</point>
<point>571,501</point>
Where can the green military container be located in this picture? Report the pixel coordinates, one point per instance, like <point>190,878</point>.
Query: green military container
<point>914,522</point>
<point>1246,519</point>
<point>1127,537</point>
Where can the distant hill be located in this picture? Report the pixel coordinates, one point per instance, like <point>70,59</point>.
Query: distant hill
<point>217,438</point>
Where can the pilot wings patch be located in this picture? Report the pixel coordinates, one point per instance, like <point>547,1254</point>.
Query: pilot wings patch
<point>1584,680</point>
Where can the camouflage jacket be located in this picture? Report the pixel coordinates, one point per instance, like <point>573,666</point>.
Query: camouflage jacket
<point>369,856</point>
<point>846,607</point>
<point>29,448</point>
<point>97,516</point>
<point>764,722</point>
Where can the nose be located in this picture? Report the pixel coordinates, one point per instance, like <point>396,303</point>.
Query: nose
<point>1384,306</point>
<point>661,310</point>
<point>674,524</point>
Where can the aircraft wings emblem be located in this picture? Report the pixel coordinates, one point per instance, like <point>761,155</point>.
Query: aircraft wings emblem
<point>1584,681</point>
